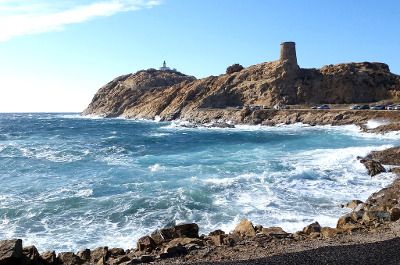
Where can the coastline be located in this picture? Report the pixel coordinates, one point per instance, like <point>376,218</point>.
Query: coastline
<point>235,246</point>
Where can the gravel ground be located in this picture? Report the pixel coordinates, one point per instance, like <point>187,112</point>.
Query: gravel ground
<point>384,252</point>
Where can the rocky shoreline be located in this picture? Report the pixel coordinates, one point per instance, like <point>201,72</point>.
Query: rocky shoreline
<point>375,220</point>
<point>387,121</point>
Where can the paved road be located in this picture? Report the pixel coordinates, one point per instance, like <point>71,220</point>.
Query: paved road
<point>385,252</point>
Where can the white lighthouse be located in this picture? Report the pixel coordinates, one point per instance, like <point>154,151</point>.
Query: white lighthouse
<point>164,67</point>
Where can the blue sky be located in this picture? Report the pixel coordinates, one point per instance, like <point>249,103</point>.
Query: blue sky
<point>54,55</point>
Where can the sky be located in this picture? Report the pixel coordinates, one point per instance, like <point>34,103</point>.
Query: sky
<point>55,55</point>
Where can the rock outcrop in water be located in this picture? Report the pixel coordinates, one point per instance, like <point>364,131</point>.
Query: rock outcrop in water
<point>171,95</point>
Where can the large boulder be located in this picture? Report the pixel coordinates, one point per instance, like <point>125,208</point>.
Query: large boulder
<point>276,232</point>
<point>312,228</point>
<point>374,167</point>
<point>328,232</point>
<point>163,235</point>
<point>31,255</point>
<point>146,244</point>
<point>245,229</point>
<point>234,68</point>
<point>187,230</point>
<point>49,257</point>
<point>10,251</point>
<point>84,254</point>
<point>98,254</point>
<point>69,258</point>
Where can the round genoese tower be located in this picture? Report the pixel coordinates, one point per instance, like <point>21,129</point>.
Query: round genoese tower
<point>288,53</point>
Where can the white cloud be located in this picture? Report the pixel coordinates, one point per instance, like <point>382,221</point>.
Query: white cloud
<point>21,17</point>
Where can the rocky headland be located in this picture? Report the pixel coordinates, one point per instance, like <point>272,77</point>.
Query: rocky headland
<point>170,95</point>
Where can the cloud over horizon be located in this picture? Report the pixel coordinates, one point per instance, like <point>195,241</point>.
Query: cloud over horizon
<point>20,17</point>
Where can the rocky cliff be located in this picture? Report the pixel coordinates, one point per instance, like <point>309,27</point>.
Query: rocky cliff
<point>171,95</point>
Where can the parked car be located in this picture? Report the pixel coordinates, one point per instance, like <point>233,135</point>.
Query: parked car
<point>314,107</point>
<point>364,107</point>
<point>323,107</point>
<point>355,107</point>
<point>280,106</point>
<point>378,107</point>
<point>390,107</point>
<point>397,107</point>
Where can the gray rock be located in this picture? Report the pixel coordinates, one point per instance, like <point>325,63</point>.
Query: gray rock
<point>146,243</point>
<point>187,230</point>
<point>49,257</point>
<point>69,258</point>
<point>31,255</point>
<point>10,251</point>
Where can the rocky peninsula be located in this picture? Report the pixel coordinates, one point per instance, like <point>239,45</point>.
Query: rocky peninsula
<point>231,97</point>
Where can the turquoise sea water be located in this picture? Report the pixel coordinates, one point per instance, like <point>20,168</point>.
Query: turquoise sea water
<point>68,182</point>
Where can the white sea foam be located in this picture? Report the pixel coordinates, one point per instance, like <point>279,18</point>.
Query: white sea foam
<point>156,168</point>
<point>374,123</point>
<point>125,191</point>
<point>84,193</point>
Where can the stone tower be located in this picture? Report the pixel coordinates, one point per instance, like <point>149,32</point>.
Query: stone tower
<point>288,53</point>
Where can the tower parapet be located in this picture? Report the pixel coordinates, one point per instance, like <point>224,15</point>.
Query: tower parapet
<point>288,53</point>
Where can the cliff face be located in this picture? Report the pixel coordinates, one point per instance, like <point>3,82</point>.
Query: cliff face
<point>172,95</point>
<point>128,91</point>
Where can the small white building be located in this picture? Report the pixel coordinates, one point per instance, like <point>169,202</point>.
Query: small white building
<point>166,68</point>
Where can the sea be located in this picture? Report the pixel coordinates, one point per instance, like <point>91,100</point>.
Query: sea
<point>69,182</point>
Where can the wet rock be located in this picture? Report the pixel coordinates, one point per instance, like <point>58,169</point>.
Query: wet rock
<point>312,228</point>
<point>245,229</point>
<point>374,167</point>
<point>69,258</point>
<point>162,235</point>
<point>84,254</point>
<point>10,251</point>
<point>146,243</point>
<point>117,252</point>
<point>49,257</point>
<point>31,255</point>
<point>187,230</point>
<point>328,232</point>
<point>219,125</point>
<point>352,204</point>
<point>216,233</point>
<point>98,254</point>
<point>258,228</point>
